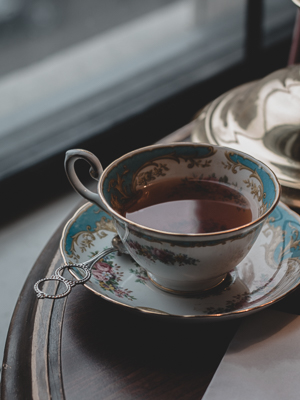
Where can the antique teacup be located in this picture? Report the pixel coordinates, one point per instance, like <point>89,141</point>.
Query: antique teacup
<point>187,213</point>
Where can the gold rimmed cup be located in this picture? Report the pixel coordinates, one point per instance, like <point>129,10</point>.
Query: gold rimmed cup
<point>181,262</point>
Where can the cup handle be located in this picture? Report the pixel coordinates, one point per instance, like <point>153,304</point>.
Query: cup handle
<point>95,171</point>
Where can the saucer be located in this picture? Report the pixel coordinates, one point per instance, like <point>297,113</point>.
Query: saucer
<point>269,272</point>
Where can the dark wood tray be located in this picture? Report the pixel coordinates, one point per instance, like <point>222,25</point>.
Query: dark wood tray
<point>83,347</point>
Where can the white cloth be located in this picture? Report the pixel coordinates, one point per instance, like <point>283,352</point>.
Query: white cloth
<point>262,362</point>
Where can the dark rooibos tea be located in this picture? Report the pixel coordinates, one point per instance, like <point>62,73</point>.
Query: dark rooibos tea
<point>190,206</point>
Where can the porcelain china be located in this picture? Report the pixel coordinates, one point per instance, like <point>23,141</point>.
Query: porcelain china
<point>268,273</point>
<point>181,262</point>
<point>262,118</point>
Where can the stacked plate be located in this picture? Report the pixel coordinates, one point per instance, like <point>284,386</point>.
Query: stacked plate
<point>261,118</point>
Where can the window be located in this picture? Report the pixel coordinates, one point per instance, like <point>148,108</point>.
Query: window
<point>71,71</point>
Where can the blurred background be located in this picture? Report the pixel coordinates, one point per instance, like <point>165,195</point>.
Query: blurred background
<point>71,72</point>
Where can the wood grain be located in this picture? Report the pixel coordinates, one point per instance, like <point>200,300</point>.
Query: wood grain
<point>112,353</point>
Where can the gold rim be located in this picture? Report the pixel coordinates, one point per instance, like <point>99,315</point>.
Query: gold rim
<point>191,235</point>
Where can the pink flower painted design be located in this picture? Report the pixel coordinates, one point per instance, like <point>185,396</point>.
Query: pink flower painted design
<point>109,278</point>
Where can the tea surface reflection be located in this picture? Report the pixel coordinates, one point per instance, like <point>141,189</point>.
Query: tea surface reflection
<point>189,207</point>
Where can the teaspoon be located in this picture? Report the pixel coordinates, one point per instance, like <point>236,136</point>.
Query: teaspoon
<point>86,266</point>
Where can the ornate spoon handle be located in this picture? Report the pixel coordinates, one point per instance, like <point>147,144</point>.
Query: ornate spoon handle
<point>57,276</point>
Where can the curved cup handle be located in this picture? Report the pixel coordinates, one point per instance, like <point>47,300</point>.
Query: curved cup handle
<point>95,171</point>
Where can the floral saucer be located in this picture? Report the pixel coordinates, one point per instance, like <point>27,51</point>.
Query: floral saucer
<point>269,272</point>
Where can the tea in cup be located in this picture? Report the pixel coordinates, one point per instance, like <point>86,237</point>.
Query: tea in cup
<point>187,213</point>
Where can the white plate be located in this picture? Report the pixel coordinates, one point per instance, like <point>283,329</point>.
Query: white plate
<point>269,272</point>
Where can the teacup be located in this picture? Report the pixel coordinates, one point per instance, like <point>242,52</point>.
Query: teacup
<point>175,261</point>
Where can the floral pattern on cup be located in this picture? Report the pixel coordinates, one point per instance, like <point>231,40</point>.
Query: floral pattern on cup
<point>121,183</point>
<point>163,255</point>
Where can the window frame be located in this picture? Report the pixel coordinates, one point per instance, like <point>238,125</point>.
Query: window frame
<point>166,102</point>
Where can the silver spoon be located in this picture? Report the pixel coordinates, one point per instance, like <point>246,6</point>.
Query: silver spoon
<point>86,266</point>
